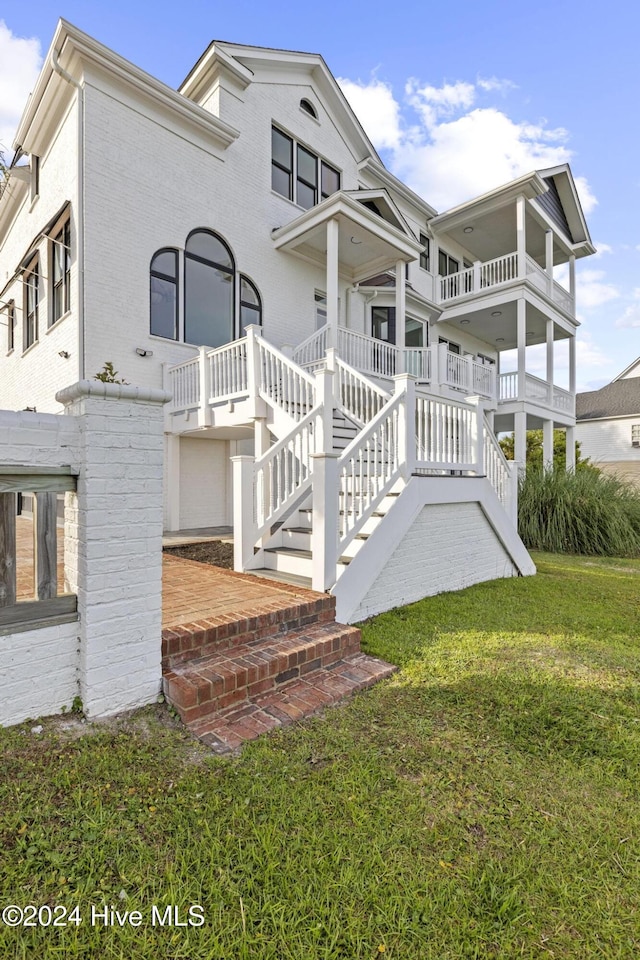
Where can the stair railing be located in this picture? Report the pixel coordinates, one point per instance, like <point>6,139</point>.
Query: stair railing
<point>355,395</point>
<point>311,352</point>
<point>282,383</point>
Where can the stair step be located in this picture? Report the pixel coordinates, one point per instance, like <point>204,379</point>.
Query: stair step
<point>205,686</point>
<point>289,702</point>
<point>293,578</point>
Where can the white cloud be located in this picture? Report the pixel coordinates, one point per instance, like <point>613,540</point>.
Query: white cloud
<point>458,148</point>
<point>20,61</point>
<point>376,110</point>
<point>630,318</point>
<point>602,248</point>
<point>593,291</point>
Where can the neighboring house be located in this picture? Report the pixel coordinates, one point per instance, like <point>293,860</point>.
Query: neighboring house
<point>608,424</point>
<point>240,242</point>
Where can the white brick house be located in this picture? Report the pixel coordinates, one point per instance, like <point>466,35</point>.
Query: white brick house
<point>240,243</point>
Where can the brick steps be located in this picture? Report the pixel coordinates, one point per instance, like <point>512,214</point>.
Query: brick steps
<point>233,680</point>
<point>293,700</point>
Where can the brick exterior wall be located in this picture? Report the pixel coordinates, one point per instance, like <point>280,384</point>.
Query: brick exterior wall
<point>448,547</point>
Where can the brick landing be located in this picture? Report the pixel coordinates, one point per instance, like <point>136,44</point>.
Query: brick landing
<point>242,655</point>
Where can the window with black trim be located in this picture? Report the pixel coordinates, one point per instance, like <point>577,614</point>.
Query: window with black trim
<point>383,323</point>
<point>309,108</point>
<point>250,305</point>
<point>31,303</point>
<point>425,256</point>
<point>10,311</point>
<point>299,174</point>
<point>164,293</point>
<point>209,279</point>
<point>447,264</point>
<point>60,260</point>
<point>635,434</point>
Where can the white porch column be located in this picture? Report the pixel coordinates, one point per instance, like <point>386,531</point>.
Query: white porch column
<point>332,282</point>
<point>571,448</point>
<point>172,506</point>
<point>572,279</point>
<point>204,376</point>
<point>548,263</point>
<point>521,239</point>
<point>405,384</point>
<point>520,440</point>
<point>400,315</point>
<point>572,364</point>
<point>521,341</point>
<point>547,444</point>
<point>324,535</point>
<point>550,371</point>
<point>243,527</point>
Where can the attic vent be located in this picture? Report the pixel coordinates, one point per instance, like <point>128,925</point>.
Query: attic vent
<point>309,108</point>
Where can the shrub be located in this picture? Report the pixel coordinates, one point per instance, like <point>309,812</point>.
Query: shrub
<point>586,512</point>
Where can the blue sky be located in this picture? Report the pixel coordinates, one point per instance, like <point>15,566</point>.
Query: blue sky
<point>456,102</point>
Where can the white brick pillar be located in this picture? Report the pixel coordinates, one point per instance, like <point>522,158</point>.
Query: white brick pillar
<point>119,542</point>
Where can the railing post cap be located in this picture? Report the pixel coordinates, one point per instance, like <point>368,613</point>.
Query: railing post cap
<point>243,458</point>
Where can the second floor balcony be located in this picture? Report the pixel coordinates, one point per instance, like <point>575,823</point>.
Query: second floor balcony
<point>502,272</point>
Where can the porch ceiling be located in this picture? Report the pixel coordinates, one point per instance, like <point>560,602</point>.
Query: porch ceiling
<point>367,243</point>
<point>493,234</point>
<point>501,331</point>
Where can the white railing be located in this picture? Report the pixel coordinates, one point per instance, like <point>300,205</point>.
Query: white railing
<point>564,400</point>
<point>282,383</point>
<point>496,467</point>
<point>508,386</point>
<point>456,284</point>
<point>483,379</point>
<point>227,373</point>
<point>367,469</point>
<point>481,276</point>
<point>499,270</point>
<point>563,298</point>
<point>367,354</point>
<point>312,351</point>
<point>445,434</point>
<point>417,362</point>
<point>536,389</point>
<point>355,395</point>
<point>455,369</point>
<point>184,385</point>
<point>283,474</point>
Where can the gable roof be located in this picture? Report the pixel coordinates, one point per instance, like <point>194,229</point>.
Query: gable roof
<point>633,370</point>
<point>246,64</point>
<point>618,399</point>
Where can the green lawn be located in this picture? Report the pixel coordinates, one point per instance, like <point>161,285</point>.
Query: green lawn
<point>484,802</point>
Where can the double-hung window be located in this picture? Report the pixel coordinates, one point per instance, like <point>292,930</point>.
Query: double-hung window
<point>298,174</point>
<point>11,325</point>
<point>31,303</point>
<point>635,434</point>
<point>425,256</point>
<point>447,264</point>
<point>60,272</point>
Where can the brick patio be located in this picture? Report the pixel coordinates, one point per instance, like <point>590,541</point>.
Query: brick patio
<point>241,654</point>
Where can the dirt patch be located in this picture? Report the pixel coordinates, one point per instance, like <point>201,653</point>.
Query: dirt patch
<point>215,552</point>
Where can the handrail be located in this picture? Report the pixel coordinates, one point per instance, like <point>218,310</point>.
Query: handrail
<point>184,384</point>
<point>282,383</point>
<point>356,395</point>
<point>368,468</point>
<point>368,354</point>
<point>283,473</point>
<point>312,350</point>
<point>444,434</point>
<point>496,467</point>
<point>228,370</point>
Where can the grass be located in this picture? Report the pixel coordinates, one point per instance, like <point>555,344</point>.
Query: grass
<point>584,512</point>
<point>482,803</point>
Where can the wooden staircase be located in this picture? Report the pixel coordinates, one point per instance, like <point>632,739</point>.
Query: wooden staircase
<point>234,681</point>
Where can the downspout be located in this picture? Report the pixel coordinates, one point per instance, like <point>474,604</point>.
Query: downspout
<point>81,299</point>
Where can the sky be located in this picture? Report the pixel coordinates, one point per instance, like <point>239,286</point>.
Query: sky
<point>457,100</point>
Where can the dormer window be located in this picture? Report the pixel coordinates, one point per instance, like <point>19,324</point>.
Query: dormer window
<point>309,108</point>
<point>298,174</point>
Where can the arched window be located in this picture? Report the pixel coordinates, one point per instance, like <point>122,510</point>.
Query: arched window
<point>164,294</point>
<point>209,273</point>
<point>309,108</point>
<point>250,305</point>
